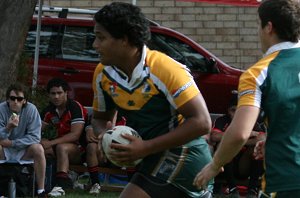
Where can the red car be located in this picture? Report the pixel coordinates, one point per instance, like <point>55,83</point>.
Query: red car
<point>66,51</point>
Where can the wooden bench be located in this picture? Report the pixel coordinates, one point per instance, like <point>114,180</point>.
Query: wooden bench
<point>106,185</point>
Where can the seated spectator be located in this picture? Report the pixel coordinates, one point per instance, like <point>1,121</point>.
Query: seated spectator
<point>66,118</point>
<point>244,164</point>
<point>92,160</point>
<point>20,133</point>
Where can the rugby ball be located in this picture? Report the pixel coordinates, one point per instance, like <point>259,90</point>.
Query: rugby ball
<point>114,136</point>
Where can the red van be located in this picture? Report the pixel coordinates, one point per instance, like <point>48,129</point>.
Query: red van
<point>66,51</point>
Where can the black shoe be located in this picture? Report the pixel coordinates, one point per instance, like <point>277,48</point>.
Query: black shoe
<point>42,195</point>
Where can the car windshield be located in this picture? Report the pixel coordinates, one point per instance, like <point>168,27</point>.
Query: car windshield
<point>178,50</point>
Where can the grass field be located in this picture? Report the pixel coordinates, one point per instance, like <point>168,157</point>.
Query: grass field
<point>85,194</point>
<point>80,193</point>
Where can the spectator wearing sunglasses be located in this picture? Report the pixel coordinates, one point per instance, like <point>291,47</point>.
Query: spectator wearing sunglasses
<point>20,133</point>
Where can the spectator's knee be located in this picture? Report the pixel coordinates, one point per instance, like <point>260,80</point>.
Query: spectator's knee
<point>37,149</point>
<point>92,148</point>
<point>61,149</point>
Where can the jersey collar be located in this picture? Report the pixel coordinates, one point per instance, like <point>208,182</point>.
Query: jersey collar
<point>138,73</point>
<point>282,46</point>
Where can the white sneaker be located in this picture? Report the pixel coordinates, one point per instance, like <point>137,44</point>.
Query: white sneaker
<point>77,185</point>
<point>56,192</point>
<point>95,189</point>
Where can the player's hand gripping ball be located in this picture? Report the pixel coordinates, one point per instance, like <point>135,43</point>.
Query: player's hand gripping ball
<point>114,136</point>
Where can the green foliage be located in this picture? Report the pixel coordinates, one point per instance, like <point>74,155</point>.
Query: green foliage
<point>37,96</point>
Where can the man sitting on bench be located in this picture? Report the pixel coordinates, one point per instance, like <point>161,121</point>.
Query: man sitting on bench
<point>66,117</point>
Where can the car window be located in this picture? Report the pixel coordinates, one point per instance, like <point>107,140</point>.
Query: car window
<point>77,44</point>
<point>178,50</point>
<point>48,41</point>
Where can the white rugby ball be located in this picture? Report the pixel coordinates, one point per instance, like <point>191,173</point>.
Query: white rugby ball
<point>114,136</point>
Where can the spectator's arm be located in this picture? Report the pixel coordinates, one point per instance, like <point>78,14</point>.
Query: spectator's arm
<point>33,129</point>
<point>73,136</point>
<point>100,119</point>
<point>255,136</point>
<point>216,135</point>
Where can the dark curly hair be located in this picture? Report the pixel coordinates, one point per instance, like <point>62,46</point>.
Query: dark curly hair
<point>123,19</point>
<point>57,82</point>
<point>285,17</point>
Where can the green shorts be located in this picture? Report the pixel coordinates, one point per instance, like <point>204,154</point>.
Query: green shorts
<point>179,166</point>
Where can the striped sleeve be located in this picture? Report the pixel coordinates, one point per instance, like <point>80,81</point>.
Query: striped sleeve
<point>98,100</point>
<point>249,91</point>
<point>172,78</point>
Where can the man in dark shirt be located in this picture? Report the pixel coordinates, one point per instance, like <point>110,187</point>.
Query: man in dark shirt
<point>66,118</point>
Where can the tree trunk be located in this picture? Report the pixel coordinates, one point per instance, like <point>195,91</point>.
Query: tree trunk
<point>15,19</point>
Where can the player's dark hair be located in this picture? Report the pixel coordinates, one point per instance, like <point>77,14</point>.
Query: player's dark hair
<point>124,20</point>
<point>284,16</point>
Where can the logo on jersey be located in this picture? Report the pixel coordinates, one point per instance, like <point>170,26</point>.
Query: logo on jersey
<point>130,103</point>
<point>177,92</point>
<point>112,89</point>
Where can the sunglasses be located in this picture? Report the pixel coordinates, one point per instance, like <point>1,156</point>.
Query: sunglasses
<point>19,98</point>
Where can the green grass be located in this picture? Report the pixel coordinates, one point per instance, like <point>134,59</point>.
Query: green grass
<point>79,193</point>
<point>85,194</point>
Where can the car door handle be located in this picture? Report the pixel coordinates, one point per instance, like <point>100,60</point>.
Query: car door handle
<point>69,71</point>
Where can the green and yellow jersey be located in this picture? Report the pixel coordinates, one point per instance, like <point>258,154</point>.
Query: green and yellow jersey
<point>149,101</point>
<point>273,84</point>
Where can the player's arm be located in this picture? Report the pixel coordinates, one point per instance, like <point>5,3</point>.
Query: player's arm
<point>236,135</point>
<point>197,123</point>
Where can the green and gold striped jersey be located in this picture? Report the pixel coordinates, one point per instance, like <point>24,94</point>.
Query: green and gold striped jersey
<point>273,84</point>
<point>149,101</point>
